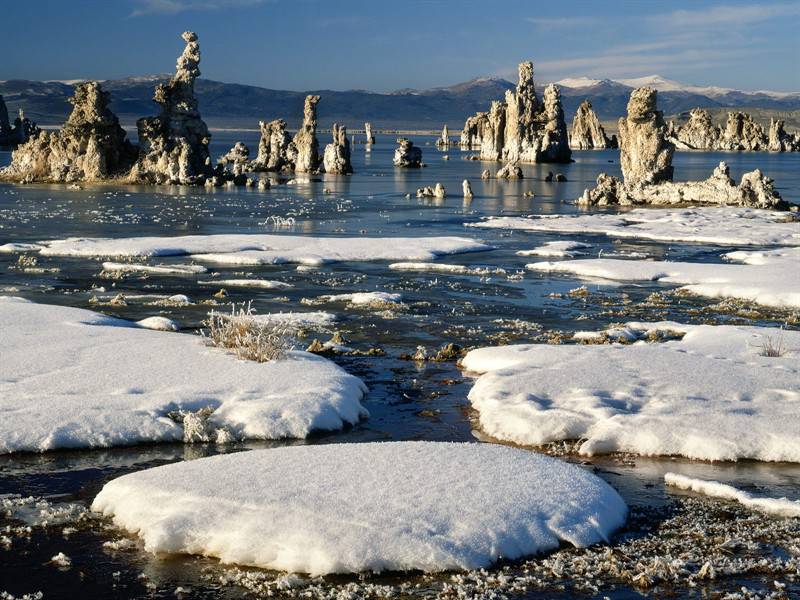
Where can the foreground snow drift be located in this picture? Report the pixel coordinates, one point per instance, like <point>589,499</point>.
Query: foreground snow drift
<point>771,278</point>
<point>712,395</point>
<point>257,249</point>
<point>782,507</point>
<point>344,508</point>
<point>725,226</point>
<point>74,378</point>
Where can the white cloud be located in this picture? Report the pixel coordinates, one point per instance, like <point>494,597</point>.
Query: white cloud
<point>171,7</point>
<point>727,15</point>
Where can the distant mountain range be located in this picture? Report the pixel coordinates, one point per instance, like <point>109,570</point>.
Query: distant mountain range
<point>230,105</point>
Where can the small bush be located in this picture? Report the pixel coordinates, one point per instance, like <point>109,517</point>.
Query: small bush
<point>773,347</point>
<point>248,338</point>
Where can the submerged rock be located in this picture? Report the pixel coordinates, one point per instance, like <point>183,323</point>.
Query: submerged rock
<point>174,145</point>
<point>438,191</point>
<point>337,154</point>
<point>521,128</point>
<point>407,155</point>
<point>305,148</point>
<point>646,156</point>
<point>510,171</point>
<point>587,133</point>
<point>91,146</point>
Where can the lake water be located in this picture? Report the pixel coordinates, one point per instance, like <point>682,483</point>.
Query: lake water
<point>407,400</point>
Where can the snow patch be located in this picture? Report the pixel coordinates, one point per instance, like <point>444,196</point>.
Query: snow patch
<point>557,249</point>
<point>112,267</point>
<point>267,284</point>
<point>345,508</point>
<point>712,395</point>
<point>723,226</point>
<point>72,378</point>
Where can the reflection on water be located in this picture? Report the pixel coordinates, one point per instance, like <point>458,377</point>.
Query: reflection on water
<point>406,400</point>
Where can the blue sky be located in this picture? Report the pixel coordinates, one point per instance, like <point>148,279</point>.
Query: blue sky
<point>388,44</point>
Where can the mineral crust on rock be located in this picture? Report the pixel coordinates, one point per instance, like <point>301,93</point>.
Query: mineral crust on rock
<point>587,132</point>
<point>304,151</point>
<point>174,144</point>
<point>780,140</point>
<point>741,133</point>
<point>699,133</point>
<point>466,187</point>
<point>646,157</point>
<point>444,139</point>
<point>521,128</point>
<point>236,158</point>
<point>273,147</point>
<point>438,191</point>
<point>91,146</point>
<point>336,159</point>
<point>370,139</point>
<point>407,155</point>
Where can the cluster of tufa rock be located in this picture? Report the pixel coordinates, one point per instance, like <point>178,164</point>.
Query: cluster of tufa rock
<point>90,147</point>
<point>522,128</point>
<point>20,132</point>
<point>407,155</point>
<point>741,133</point>
<point>646,158</point>
<point>173,146</point>
<point>587,132</point>
<point>443,143</point>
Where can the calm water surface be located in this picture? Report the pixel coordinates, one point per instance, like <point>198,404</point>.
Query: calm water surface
<point>407,401</point>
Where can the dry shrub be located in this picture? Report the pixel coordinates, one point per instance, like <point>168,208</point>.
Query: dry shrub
<point>773,347</point>
<point>247,337</point>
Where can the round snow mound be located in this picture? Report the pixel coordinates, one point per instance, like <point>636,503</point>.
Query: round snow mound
<point>344,508</point>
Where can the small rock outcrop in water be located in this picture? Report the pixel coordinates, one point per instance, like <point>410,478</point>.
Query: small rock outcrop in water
<point>370,139</point>
<point>22,130</point>
<point>236,158</point>
<point>699,133</point>
<point>509,171</point>
<point>522,128</point>
<point>444,140</point>
<point>466,187</point>
<point>174,145</point>
<point>273,147</point>
<point>91,146</point>
<point>437,191</point>
<point>407,155</point>
<point>646,157</point>
<point>305,151</point>
<point>337,154</point>
<point>587,133</point>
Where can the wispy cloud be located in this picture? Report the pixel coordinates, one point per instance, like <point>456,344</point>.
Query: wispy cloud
<point>679,40</point>
<point>727,15</point>
<point>543,23</point>
<point>171,7</point>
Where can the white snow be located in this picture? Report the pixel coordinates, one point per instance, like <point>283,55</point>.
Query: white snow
<point>781,507</point>
<point>723,226</point>
<point>342,508</point>
<point>712,395</point>
<point>74,378</point>
<point>267,284</point>
<point>16,247</point>
<point>446,268</point>
<point>154,269</point>
<point>258,249</point>
<point>159,324</point>
<point>299,319</point>
<point>771,278</point>
<point>563,248</point>
<point>365,298</point>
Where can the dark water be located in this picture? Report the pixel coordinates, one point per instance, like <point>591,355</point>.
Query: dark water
<point>407,400</point>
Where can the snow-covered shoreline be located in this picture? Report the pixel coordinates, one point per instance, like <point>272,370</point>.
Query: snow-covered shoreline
<point>73,378</point>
